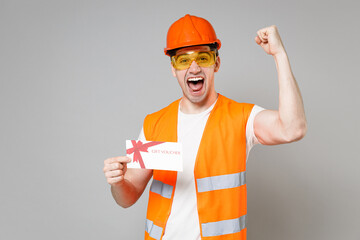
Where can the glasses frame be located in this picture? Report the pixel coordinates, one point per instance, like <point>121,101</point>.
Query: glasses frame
<point>174,58</point>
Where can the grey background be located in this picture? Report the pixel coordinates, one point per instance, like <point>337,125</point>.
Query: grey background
<point>78,77</point>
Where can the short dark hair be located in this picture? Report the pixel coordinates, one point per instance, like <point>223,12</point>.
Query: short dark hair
<point>213,47</point>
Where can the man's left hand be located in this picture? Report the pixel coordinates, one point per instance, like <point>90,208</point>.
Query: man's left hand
<point>269,39</point>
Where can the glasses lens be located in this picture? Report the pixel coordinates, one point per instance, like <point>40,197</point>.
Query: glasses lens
<point>203,59</point>
<point>183,61</point>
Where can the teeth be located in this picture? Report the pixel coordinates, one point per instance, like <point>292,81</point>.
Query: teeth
<point>195,79</point>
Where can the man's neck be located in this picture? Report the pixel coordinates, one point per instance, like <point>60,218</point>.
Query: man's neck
<point>188,107</point>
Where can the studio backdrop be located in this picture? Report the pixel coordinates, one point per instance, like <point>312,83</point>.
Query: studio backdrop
<point>78,77</point>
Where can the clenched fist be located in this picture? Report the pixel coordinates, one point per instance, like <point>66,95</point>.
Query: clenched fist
<point>269,39</point>
<point>115,169</point>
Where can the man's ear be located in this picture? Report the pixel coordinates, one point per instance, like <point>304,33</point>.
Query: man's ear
<point>217,64</point>
<point>173,70</point>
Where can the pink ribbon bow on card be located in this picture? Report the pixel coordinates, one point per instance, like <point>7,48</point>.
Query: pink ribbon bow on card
<point>140,147</point>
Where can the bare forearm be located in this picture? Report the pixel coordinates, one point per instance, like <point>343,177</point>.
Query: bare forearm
<point>291,107</point>
<point>124,193</point>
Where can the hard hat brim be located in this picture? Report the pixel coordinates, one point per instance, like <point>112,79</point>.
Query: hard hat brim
<point>195,43</point>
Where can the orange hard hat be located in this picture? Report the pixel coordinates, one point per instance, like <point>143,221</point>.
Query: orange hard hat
<point>189,31</point>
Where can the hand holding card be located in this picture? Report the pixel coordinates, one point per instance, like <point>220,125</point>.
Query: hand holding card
<point>154,155</point>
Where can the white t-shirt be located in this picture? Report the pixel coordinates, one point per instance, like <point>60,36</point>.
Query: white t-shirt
<point>183,222</point>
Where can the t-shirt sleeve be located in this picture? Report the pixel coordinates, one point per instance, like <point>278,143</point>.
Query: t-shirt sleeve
<point>142,135</point>
<point>251,139</point>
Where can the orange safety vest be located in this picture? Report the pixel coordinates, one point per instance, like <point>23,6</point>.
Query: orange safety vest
<point>220,171</point>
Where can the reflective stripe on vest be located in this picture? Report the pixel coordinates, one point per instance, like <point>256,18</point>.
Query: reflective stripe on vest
<point>212,229</point>
<point>165,190</point>
<point>221,182</point>
<point>153,230</point>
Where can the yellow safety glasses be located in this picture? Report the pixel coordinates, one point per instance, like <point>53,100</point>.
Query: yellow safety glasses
<point>203,59</point>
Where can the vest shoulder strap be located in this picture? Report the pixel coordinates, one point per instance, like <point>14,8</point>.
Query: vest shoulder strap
<point>157,125</point>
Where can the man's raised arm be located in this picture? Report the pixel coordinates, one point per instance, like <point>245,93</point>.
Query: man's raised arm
<point>288,123</point>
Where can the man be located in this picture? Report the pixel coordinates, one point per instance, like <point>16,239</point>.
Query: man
<point>208,199</point>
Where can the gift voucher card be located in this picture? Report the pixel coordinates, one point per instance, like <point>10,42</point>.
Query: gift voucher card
<point>154,155</point>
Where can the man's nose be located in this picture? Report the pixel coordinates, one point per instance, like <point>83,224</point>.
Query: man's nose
<point>194,67</point>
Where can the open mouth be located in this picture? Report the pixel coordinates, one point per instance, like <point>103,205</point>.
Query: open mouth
<point>195,83</point>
